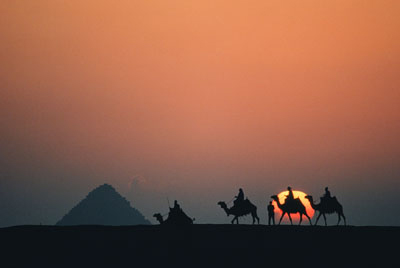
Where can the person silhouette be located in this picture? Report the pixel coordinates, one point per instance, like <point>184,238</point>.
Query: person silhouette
<point>290,196</point>
<point>327,193</point>
<point>326,198</point>
<point>239,198</point>
<point>177,207</point>
<point>271,213</point>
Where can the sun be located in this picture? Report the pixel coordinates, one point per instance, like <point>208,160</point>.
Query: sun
<point>295,217</point>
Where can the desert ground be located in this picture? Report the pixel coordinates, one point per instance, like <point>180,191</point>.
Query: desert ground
<point>199,246</point>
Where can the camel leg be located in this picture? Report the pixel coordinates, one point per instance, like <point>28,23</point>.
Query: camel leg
<point>233,221</point>
<point>319,216</point>
<point>344,218</point>
<point>255,217</point>
<point>341,215</point>
<point>339,218</point>
<point>283,214</point>
<point>301,218</point>
<point>290,218</point>
<point>324,218</point>
<point>309,219</point>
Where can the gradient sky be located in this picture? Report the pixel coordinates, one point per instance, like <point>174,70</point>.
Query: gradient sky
<point>191,100</point>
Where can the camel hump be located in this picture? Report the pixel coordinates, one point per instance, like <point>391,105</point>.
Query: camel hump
<point>245,204</point>
<point>332,199</point>
<point>330,203</point>
<point>295,201</point>
<point>298,201</point>
<point>248,203</point>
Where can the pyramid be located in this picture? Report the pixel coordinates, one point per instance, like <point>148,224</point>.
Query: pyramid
<point>103,206</point>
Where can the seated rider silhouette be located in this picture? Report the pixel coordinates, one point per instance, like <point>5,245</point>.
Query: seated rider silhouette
<point>327,195</point>
<point>290,196</point>
<point>176,208</point>
<point>177,215</point>
<point>239,198</point>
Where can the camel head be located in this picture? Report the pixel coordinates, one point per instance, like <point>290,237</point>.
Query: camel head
<point>158,216</point>
<point>224,207</point>
<point>275,197</point>
<point>310,199</point>
<point>222,204</point>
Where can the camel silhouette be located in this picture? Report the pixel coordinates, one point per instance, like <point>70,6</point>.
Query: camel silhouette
<point>327,207</point>
<point>174,218</point>
<point>291,208</point>
<point>241,210</point>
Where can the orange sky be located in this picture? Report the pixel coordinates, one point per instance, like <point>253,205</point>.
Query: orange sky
<point>260,94</point>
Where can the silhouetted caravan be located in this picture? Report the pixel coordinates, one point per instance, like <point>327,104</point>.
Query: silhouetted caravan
<point>243,209</point>
<point>176,216</point>
<point>327,205</point>
<point>291,206</point>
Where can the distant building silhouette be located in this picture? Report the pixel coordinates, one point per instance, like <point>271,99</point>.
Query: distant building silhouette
<point>104,206</point>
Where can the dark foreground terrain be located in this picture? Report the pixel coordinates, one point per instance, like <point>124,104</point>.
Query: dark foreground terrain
<point>199,246</point>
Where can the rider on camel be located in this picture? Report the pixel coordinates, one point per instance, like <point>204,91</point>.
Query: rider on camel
<point>326,199</point>
<point>239,198</point>
<point>176,208</point>
<point>327,193</point>
<point>290,196</point>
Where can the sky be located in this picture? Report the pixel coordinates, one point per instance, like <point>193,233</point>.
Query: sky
<point>191,100</point>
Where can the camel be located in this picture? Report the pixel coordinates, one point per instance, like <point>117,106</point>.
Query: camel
<point>291,208</point>
<point>327,207</point>
<point>174,218</point>
<point>242,210</point>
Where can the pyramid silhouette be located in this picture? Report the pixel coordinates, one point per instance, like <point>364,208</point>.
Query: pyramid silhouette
<point>103,206</point>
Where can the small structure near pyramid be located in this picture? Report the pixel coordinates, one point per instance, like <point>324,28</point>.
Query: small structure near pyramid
<point>103,206</point>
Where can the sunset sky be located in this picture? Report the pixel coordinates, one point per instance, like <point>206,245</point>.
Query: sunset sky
<point>191,100</point>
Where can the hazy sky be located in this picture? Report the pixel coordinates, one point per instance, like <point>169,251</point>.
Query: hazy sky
<point>191,100</point>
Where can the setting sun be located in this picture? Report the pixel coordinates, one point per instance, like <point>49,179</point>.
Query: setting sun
<point>295,217</point>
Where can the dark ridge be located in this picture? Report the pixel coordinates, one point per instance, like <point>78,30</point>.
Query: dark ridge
<point>200,246</point>
<point>103,206</point>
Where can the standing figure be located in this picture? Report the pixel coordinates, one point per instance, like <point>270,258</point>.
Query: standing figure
<point>271,213</point>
